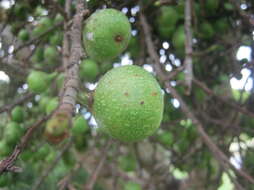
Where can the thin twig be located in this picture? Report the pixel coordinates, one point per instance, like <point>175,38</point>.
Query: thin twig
<point>218,154</point>
<point>95,174</point>
<point>7,164</point>
<point>23,99</point>
<point>52,165</point>
<point>188,46</point>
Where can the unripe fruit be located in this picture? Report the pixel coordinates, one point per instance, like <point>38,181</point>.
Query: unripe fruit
<point>206,30</point>
<point>23,35</point>
<point>88,70</point>
<point>57,128</point>
<point>106,34</point>
<point>38,55</point>
<point>50,53</point>
<point>38,81</point>
<point>43,102</point>
<point>132,186</point>
<point>179,38</point>
<point>166,21</point>
<point>56,39</point>
<point>166,138</point>
<point>79,125</point>
<point>17,114</point>
<point>5,149</point>
<point>12,133</point>
<point>128,103</point>
<point>52,105</point>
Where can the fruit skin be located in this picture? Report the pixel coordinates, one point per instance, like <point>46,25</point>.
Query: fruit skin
<point>167,20</point>
<point>79,125</point>
<point>128,103</point>
<point>57,128</point>
<point>23,35</point>
<point>39,81</point>
<point>178,41</point>
<point>17,114</point>
<point>88,70</point>
<point>132,186</point>
<point>52,105</point>
<point>50,53</point>
<point>12,133</point>
<point>106,34</point>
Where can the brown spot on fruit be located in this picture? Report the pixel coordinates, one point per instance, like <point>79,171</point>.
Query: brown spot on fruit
<point>126,94</point>
<point>142,102</point>
<point>118,38</point>
<point>154,94</point>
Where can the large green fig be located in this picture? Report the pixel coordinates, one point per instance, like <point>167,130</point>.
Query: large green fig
<point>128,103</point>
<point>106,34</point>
<point>38,81</point>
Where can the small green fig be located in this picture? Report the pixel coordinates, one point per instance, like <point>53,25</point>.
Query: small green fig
<point>166,21</point>
<point>207,31</point>
<point>52,105</point>
<point>23,35</point>
<point>38,55</point>
<point>128,103</point>
<point>79,125</point>
<point>39,81</point>
<point>5,149</point>
<point>132,186</point>
<point>106,34</point>
<point>50,53</point>
<point>43,102</point>
<point>12,133</point>
<point>57,128</point>
<point>88,70</point>
<point>56,39</point>
<point>17,114</point>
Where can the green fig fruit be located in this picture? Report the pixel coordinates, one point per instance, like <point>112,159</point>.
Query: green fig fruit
<point>106,34</point>
<point>17,114</point>
<point>50,53</point>
<point>39,81</point>
<point>134,47</point>
<point>132,186</point>
<point>127,163</point>
<point>52,105</point>
<point>178,41</point>
<point>166,21</point>
<point>38,55</point>
<point>211,6</point>
<point>88,70</point>
<point>207,31</point>
<point>56,39</point>
<point>166,138</point>
<point>43,102</point>
<point>5,149</point>
<point>5,180</point>
<point>80,125</point>
<point>12,133</point>
<point>128,103</point>
<point>60,81</point>
<point>23,35</point>
<point>57,128</point>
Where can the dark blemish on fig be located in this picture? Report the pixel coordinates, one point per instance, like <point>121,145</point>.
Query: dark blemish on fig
<point>142,102</point>
<point>126,94</point>
<point>154,94</point>
<point>118,38</point>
